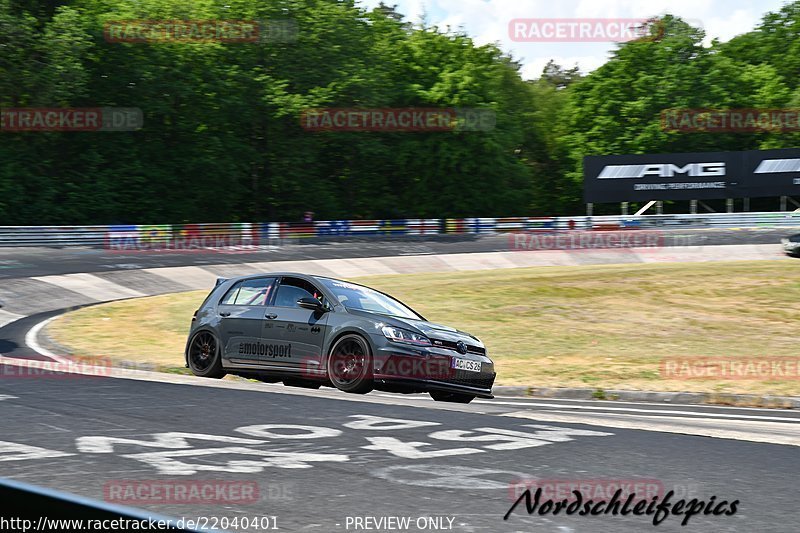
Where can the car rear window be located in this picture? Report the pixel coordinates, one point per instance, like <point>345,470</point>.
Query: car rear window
<point>249,292</point>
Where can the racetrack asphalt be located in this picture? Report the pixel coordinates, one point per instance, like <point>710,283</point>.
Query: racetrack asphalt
<point>29,262</point>
<point>418,458</point>
<point>323,464</point>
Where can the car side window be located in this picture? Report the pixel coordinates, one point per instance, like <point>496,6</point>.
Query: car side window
<point>249,292</point>
<point>230,296</point>
<point>292,289</point>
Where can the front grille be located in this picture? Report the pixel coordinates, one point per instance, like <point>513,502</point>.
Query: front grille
<point>450,345</point>
<point>473,379</point>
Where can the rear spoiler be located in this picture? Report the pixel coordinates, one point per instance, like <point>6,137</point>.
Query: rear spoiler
<point>220,281</point>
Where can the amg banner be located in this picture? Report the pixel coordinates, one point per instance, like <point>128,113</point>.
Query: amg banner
<point>700,176</point>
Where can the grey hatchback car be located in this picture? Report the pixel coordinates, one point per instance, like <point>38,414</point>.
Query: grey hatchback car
<point>310,331</point>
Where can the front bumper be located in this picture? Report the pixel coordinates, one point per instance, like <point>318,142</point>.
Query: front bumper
<point>424,369</point>
<point>790,247</point>
<point>411,385</point>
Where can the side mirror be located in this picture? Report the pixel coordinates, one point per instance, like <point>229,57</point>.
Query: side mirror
<point>311,303</point>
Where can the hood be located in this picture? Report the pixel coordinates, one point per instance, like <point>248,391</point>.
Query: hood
<point>429,329</point>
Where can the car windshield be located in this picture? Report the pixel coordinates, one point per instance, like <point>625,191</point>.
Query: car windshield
<point>363,298</point>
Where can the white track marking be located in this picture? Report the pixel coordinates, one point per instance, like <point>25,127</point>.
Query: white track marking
<point>767,432</point>
<point>12,451</point>
<point>170,440</point>
<point>380,423</point>
<point>7,397</point>
<point>32,341</point>
<point>649,411</point>
<point>92,286</point>
<point>168,463</point>
<point>616,402</point>
<point>7,318</point>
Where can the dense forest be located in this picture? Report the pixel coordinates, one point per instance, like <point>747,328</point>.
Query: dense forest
<point>222,138</point>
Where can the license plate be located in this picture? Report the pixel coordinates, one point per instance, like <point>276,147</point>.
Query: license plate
<point>466,364</point>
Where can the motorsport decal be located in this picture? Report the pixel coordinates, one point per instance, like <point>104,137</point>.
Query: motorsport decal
<point>265,349</point>
<point>345,285</point>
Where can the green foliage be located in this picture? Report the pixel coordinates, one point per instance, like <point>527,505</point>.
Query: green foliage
<point>223,141</point>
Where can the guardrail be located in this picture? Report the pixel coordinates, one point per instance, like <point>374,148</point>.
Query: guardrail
<point>202,236</point>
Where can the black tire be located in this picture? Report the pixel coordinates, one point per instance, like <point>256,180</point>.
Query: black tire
<point>204,356</point>
<point>451,397</point>
<point>350,365</point>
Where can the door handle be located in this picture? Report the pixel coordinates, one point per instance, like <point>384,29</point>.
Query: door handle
<point>271,315</point>
<point>225,313</point>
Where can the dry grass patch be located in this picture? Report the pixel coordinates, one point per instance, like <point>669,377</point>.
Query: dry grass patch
<point>605,326</point>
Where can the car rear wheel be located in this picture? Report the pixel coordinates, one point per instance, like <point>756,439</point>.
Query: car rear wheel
<point>350,365</point>
<point>204,356</point>
<point>451,397</point>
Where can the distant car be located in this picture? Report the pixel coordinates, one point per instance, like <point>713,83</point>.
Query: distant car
<point>791,245</point>
<point>310,331</point>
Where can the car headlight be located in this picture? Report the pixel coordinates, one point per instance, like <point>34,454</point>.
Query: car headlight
<point>402,335</point>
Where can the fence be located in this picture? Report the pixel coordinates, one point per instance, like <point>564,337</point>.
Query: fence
<point>199,236</point>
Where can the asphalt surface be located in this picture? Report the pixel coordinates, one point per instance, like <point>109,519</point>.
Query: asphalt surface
<point>323,465</point>
<point>27,262</point>
<point>321,462</point>
<point>12,336</point>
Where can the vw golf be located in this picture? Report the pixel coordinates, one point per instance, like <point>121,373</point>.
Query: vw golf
<point>310,331</point>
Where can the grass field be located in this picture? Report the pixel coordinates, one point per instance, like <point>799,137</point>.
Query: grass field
<point>605,327</point>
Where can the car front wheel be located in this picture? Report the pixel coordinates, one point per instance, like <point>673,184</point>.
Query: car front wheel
<point>204,356</point>
<point>350,365</point>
